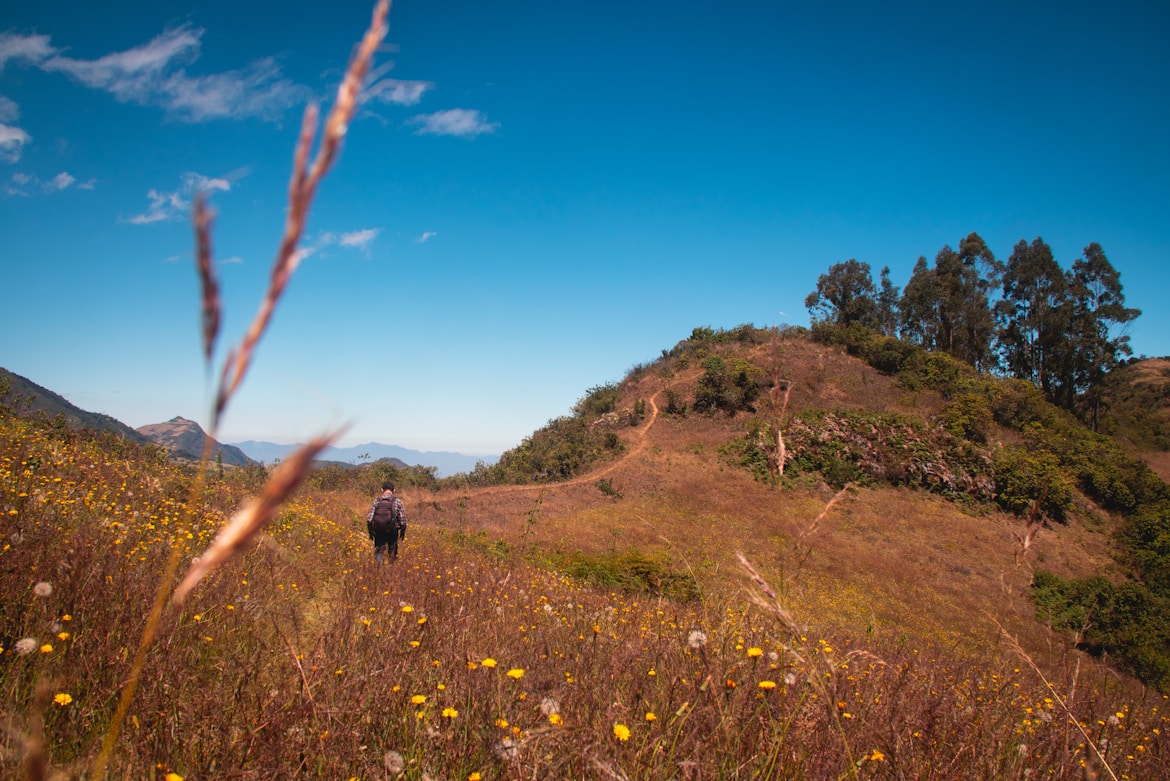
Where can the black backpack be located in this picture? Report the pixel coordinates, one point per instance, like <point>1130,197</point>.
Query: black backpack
<point>386,517</point>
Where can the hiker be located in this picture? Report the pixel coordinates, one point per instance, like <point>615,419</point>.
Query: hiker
<point>386,522</point>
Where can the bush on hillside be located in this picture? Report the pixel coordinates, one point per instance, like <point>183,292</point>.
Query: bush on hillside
<point>1024,476</point>
<point>888,449</point>
<point>729,386</point>
<point>597,401</point>
<point>1127,621</point>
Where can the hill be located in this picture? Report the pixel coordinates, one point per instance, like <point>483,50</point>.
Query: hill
<point>26,395</point>
<point>899,549</point>
<point>186,439</point>
<point>1137,410</point>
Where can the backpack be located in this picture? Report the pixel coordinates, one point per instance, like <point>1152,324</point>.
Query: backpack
<point>387,517</point>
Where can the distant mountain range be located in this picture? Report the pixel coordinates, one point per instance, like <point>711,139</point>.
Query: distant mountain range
<point>185,438</point>
<point>445,462</point>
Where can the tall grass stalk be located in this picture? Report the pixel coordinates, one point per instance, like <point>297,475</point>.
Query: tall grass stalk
<point>248,521</point>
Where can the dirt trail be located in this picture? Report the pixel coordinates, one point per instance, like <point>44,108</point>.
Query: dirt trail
<point>641,440</point>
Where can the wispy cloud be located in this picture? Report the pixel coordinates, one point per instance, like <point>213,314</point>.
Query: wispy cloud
<point>426,236</point>
<point>155,74</point>
<point>61,181</point>
<point>24,48</point>
<point>397,91</point>
<point>462,122</point>
<point>12,139</point>
<point>176,204</point>
<point>27,184</point>
<point>359,239</point>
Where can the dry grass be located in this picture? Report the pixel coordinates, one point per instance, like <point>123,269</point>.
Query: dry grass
<point>300,658</point>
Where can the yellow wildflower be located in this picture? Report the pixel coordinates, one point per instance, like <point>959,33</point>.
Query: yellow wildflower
<point>63,699</point>
<point>621,732</point>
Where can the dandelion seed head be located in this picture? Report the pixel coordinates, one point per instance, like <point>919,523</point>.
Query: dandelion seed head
<point>506,749</point>
<point>549,706</point>
<point>43,589</point>
<point>393,762</point>
<point>25,646</point>
<point>696,639</point>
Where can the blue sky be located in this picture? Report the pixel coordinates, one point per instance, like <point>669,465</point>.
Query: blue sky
<point>536,196</point>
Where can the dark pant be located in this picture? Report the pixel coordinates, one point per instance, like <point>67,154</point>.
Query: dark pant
<point>385,542</point>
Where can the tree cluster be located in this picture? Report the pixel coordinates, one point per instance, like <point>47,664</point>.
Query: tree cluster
<point>1026,318</point>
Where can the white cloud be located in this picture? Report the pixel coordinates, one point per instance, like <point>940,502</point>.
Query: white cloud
<point>175,205</point>
<point>256,91</point>
<point>12,141</point>
<point>198,183</point>
<point>30,48</point>
<point>60,182</point>
<point>426,236</point>
<point>462,122</point>
<point>9,111</point>
<point>163,206</point>
<point>131,73</point>
<point>397,91</point>
<point>360,239</point>
<point>154,74</point>
<point>25,184</point>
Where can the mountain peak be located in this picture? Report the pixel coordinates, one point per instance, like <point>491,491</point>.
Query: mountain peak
<point>186,438</point>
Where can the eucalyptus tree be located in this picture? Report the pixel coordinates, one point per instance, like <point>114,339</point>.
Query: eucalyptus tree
<point>1034,314</point>
<point>1097,338</point>
<point>948,307</point>
<point>845,295</point>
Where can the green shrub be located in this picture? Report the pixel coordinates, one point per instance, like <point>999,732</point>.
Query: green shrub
<point>631,571</point>
<point>727,385</point>
<point>968,416</point>
<point>1024,476</point>
<point>890,449</point>
<point>597,401</point>
<point>606,486</point>
<point>752,450</point>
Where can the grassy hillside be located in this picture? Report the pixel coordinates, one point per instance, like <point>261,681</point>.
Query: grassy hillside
<point>29,397</point>
<point>595,625</point>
